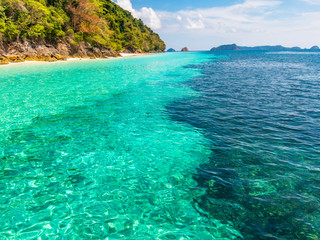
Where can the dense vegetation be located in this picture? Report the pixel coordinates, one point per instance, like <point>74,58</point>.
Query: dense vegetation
<point>98,22</point>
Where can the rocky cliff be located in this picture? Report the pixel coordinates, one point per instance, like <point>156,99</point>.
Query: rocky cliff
<point>35,51</point>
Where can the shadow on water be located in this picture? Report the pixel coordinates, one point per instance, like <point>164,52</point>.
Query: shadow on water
<point>260,113</point>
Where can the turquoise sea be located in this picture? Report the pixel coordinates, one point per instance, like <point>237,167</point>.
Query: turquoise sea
<point>163,146</point>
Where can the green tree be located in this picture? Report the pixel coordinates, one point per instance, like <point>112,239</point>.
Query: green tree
<point>99,22</point>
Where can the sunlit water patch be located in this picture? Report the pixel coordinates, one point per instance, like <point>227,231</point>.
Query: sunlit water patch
<point>88,151</point>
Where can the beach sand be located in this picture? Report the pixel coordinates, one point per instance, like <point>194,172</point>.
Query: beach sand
<point>123,55</point>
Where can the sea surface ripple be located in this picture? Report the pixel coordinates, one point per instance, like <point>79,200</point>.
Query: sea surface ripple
<point>165,146</point>
<point>88,151</point>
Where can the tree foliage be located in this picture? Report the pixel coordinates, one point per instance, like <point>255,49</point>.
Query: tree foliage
<point>99,22</point>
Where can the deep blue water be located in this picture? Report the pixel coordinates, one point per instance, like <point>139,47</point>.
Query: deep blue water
<point>261,112</point>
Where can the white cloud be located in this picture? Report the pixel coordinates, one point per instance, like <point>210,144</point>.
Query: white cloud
<point>313,2</point>
<point>148,15</point>
<point>125,4</point>
<point>244,16</point>
<point>194,24</point>
<point>252,22</point>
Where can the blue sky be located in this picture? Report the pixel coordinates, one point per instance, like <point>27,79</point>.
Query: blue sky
<point>176,5</point>
<point>201,25</point>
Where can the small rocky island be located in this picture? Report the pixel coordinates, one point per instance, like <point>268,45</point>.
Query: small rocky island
<point>171,50</point>
<point>185,49</point>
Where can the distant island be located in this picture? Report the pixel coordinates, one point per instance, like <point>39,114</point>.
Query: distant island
<point>234,47</point>
<point>171,50</point>
<point>315,48</point>
<point>185,49</point>
<point>55,30</point>
<point>230,47</point>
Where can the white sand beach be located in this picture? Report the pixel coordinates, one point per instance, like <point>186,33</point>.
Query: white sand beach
<point>123,55</point>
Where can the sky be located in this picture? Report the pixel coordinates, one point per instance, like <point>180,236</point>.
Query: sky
<point>201,25</point>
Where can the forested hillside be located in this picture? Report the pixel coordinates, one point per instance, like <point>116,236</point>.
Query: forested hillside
<point>75,23</point>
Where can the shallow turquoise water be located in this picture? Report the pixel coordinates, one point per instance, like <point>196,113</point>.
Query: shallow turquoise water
<point>88,151</point>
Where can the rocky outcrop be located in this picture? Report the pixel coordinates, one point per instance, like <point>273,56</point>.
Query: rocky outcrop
<point>171,50</point>
<point>185,49</point>
<point>1,49</point>
<point>3,60</point>
<point>29,51</point>
<point>230,47</point>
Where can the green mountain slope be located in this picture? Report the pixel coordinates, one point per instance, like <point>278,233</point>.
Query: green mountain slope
<point>98,23</point>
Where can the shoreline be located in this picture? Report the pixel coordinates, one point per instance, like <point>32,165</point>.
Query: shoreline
<point>73,59</point>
